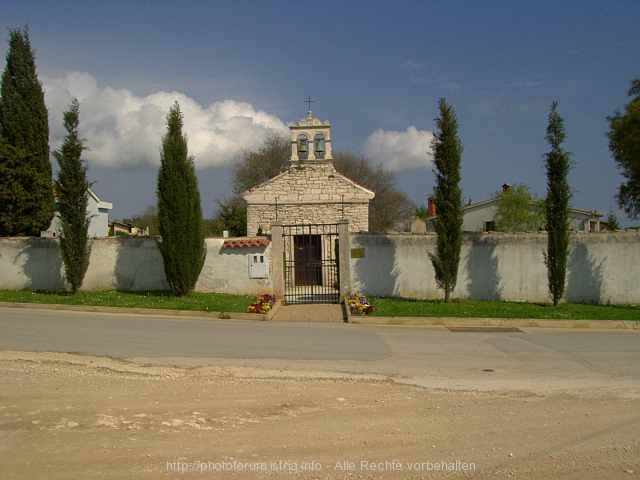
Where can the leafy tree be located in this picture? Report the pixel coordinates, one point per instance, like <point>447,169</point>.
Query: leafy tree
<point>557,205</point>
<point>26,191</point>
<point>232,216</point>
<point>255,168</point>
<point>612,221</point>
<point>519,210</point>
<point>179,211</point>
<point>447,152</point>
<point>212,227</point>
<point>624,144</point>
<point>147,219</point>
<point>388,209</point>
<point>421,212</point>
<point>72,196</point>
<point>265,163</point>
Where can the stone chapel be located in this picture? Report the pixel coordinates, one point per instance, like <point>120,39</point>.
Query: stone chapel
<point>310,190</point>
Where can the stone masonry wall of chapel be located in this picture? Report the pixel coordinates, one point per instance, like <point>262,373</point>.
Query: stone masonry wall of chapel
<point>265,215</point>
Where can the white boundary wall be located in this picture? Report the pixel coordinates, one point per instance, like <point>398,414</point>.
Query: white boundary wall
<point>125,264</point>
<point>602,267</point>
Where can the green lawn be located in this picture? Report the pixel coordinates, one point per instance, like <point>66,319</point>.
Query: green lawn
<point>213,302</point>
<point>397,307</point>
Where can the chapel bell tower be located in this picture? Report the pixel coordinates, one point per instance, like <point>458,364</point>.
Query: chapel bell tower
<point>310,140</point>
<point>309,192</point>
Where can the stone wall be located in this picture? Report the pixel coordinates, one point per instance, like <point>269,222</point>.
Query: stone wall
<point>602,267</point>
<point>265,215</point>
<point>125,264</point>
<point>308,193</point>
<point>308,182</point>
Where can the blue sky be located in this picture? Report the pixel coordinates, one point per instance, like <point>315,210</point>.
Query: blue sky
<point>244,68</point>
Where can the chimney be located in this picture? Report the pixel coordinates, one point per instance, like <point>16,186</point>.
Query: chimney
<point>431,207</point>
<point>506,187</point>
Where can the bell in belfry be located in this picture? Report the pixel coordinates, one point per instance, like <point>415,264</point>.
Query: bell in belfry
<point>319,145</point>
<point>303,148</point>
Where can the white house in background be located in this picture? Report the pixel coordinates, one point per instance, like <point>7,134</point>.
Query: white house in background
<point>481,217</point>
<point>98,212</point>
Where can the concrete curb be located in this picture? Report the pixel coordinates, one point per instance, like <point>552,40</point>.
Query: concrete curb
<point>271,313</point>
<point>355,319</point>
<point>498,322</point>
<point>138,311</point>
<point>346,310</point>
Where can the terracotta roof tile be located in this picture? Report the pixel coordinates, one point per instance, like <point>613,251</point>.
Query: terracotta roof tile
<point>245,242</point>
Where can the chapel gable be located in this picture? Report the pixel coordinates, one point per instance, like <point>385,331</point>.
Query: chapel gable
<point>310,190</point>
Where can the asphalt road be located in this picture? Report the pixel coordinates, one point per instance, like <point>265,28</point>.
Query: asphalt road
<point>548,359</point>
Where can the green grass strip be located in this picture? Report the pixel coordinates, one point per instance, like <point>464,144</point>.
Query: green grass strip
<point>212,302</point>
<point>398,307</point>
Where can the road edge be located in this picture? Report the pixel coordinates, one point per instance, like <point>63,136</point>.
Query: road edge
<point>498,322</point>
<point>214,315</point>
<point>352,319</point>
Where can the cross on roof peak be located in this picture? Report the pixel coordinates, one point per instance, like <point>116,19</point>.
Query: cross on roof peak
<point>308,101</point>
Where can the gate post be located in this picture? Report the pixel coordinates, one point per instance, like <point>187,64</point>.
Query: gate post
<point>277,260</point>
<point>344,242</point>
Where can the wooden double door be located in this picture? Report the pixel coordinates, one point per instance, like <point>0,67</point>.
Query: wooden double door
<point>308,259</point>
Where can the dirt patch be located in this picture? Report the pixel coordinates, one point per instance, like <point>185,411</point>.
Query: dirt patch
<point>68,416</point>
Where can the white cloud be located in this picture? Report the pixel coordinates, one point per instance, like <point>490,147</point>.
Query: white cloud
<point>400,150</point>
<point>122,129</point>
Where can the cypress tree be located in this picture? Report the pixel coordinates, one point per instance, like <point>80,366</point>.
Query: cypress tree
<point>26,193</point>
<point>11,187</point>
<point>72,189</point>
<point>447,152</point>
<point>557,205</point>
<point>179,210</point>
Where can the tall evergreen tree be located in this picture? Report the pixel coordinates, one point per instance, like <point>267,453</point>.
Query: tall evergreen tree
<point>624,144</point>
<point>612,221</point>
<point>26,193</point>
<point>179,210</point>
<point>447,153</point>
<point>72,190</point>
<point>557,205</point>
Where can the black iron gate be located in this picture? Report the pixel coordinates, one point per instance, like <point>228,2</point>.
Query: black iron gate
<point>311,273</point>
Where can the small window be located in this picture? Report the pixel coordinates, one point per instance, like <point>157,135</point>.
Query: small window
<point>303,147</point>
<point>490,226</point>
<point>318,142</point>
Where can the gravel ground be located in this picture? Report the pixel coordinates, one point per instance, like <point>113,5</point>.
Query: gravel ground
<point>68,416</point>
